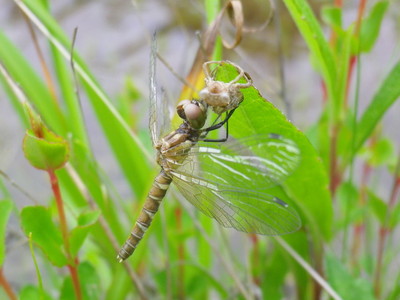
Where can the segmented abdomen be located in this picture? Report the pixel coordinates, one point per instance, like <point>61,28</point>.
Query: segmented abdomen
<point>157,192</point>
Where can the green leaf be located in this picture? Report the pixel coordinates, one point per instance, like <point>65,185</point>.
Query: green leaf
<point>332,16</point>
<point>45,234</point>
<point>45,154</point>
<point>39,276</point>
<point>5,210</point>
<point>32,85</point>
<point>313,35</point>
<point>371,25</point>
<point>89,281</point>
<point>43,148</point>
<point>275,264</point>
<point>380,209</point>
<point>348,196</point>
<point>128,149</point>
<point>31,292</point>
<point>394,216</point>
<point>380,153</point>
<point>202,281</point>
<point>308,185</point>
<point>347,286</point>
<point>78,235</point>
<point>386,95</point>
<point>301,243</point>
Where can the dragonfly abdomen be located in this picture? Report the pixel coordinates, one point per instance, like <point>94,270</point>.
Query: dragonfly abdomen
<point>157,193</point>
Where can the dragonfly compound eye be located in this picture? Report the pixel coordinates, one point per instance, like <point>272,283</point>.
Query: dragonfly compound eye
<point>193,112</point>
<point>180,108</point>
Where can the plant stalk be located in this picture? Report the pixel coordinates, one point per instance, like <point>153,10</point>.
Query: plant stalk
<point>72,263</point>
<point>385,229</point>
<point>6,286</point>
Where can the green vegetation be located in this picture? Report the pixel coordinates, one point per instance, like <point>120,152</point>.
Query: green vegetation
<point>345,249</point>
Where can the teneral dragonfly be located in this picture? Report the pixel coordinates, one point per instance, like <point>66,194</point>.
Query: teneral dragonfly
<point>226,181</point>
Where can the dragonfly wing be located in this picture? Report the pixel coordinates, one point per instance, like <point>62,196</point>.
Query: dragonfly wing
<point>258,162</point>
<point>231,182</point>
<point>245,210</point>
<point>159,119</point>
<point>154,101</point>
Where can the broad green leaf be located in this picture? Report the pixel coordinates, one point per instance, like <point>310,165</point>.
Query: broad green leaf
<point>89,279</point>
<point>394,216</point>
<point>371,25</point>
<point>273,274</point>
<point>380,208</point>
<point>45,154</point>
<point>395,292</point>
<point>332,16</point>
<point>5,210</point>
<point>381,152</point>
<point>78,235</point>
<point>121,286</point>
<point>31,292</point>
<point>67,289</point>
<point>43,148</point>
<point>37,220</point>
<point>387,94</point>
<point>89,283</point>
<point>308,185</point>
<point>347,286</point>
<point>201,282</point>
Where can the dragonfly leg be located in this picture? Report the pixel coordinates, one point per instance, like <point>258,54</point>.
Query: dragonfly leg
<point>219,125</point>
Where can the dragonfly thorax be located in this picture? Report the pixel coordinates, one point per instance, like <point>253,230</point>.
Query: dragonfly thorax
<point>173,149</point>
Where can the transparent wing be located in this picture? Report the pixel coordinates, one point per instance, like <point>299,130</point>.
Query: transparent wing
<point>259,161</point>
<point>231,182</point>
<point>159,115</point>
<point>245,210</point>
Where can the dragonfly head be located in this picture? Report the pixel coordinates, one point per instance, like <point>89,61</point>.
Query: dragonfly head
<point>193,112</point>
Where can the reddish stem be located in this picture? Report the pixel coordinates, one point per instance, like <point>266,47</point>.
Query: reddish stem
<point>335,175</point>
<point>360,227</point>
<point>256,258</point>
<point>6,286</point>
<point>73,263</point>
<point>353,58</point>
<point>352,63</point>
<point>360,13</point>
<point>181,256</point>
<point>333,37</point>
<point>383,232</point>
<point>60,208</point>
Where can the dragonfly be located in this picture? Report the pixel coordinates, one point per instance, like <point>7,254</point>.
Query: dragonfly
<point>228,181</point>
